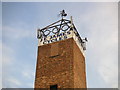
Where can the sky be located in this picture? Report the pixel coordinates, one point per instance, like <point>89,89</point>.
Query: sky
<point>98,21</point>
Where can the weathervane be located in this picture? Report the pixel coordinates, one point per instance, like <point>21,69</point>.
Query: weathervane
<point>62,25</point>
<point>63,14</point>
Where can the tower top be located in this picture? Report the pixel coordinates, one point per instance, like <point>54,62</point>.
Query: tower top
<point>60,30</point>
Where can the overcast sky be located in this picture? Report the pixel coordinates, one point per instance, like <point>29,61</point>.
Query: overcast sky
<point>96,21</point>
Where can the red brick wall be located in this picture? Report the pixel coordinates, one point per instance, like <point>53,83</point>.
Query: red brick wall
<point>60,63</point>
<point>79,68</point>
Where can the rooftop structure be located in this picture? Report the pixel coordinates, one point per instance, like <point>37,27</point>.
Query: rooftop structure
<point>60,30</point>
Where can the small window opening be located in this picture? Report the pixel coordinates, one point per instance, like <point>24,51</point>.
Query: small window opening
<point>53,87</point>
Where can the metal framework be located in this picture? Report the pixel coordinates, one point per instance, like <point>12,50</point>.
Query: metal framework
<point>62,26</point>
<point>58,27</point>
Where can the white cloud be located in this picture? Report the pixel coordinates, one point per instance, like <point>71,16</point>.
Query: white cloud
<point>7,55</point>
<point>9,58</point>
<point>17,33</point>
<point>14,83</point>
<point>102,34</point>
<point>31,85</point>
<point>7,62</point>
<point>27,73</point>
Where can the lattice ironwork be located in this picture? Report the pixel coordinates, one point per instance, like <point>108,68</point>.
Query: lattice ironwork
<point>55,28</point>
<point>58,27</point>
<point>61,26</point>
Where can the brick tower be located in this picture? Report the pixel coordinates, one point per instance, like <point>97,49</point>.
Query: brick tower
<point>61,59</point>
